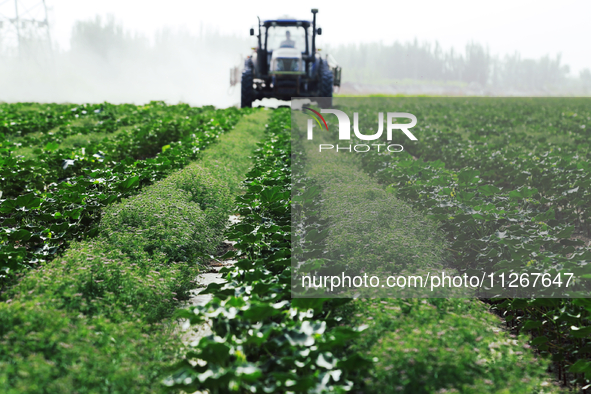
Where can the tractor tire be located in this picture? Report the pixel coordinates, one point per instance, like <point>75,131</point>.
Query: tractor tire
<point>246,90</point>
<point>325,80</point>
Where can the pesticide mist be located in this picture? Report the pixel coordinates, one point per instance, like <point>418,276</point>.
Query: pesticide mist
<point>107,63</point>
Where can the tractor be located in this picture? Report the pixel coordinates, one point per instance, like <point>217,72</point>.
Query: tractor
<point>286,64</point>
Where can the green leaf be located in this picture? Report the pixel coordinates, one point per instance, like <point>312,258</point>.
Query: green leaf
<point>20,235</point>
<point>74,213</point>
<point>8,206</point>
<point>214,350</point>
<point>316,236</point>
<point>539,340</point>
<point>259,311</point>
<point>129,183</point>
<point>532,324</point>
<point>488,190</point>
<point>581,366</point>
<point>468,176</point>
<point>28,201</point>
<point>354,362</point>
<point>580,332</point>
<point>51,146</point>
<point>543,217</point>
<point>308,303</point>
<point>273,194</point>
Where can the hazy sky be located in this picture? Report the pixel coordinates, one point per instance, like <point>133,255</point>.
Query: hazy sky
<point>532,27</point>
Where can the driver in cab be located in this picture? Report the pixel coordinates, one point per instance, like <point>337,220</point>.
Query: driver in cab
<point>288,42</point>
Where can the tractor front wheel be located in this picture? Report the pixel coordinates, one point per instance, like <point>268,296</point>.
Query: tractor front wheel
<point>246,90</point>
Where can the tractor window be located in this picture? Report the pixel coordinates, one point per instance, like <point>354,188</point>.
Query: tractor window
<point>286,37</point>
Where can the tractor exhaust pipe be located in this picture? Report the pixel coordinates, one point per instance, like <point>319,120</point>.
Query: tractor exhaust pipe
<point>314,12</point>
<point>259,36</point>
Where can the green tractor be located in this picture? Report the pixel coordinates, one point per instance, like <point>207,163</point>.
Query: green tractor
<point>286,64</point>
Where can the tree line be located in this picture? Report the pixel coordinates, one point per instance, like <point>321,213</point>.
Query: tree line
<point>374,62</point>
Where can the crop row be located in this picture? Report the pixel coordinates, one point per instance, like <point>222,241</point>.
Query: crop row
<point>508,181</point>
<point>24,118</point>
<point>349,224</point>
<point>94,320</point>
<point>264,340</point>
<point>55,184</point>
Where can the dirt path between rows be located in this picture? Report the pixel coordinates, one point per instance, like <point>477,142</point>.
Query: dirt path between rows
<point>190,335</point>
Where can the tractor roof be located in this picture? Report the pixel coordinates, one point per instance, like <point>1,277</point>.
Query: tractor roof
<point>286,22</point>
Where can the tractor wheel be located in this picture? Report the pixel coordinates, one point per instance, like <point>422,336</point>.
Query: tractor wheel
<point>325,85</point>
<point>247,92</point>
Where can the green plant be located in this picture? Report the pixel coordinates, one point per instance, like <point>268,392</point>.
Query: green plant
<point>57,196</point>
<point>444,346</point>
<point>507,180</point>
<point>262,339</point>
<point>94,319</point>
<point>182,216</point>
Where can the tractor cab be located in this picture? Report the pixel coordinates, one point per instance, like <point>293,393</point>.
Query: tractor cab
<point>283,45</point>
<point>286,63</point>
